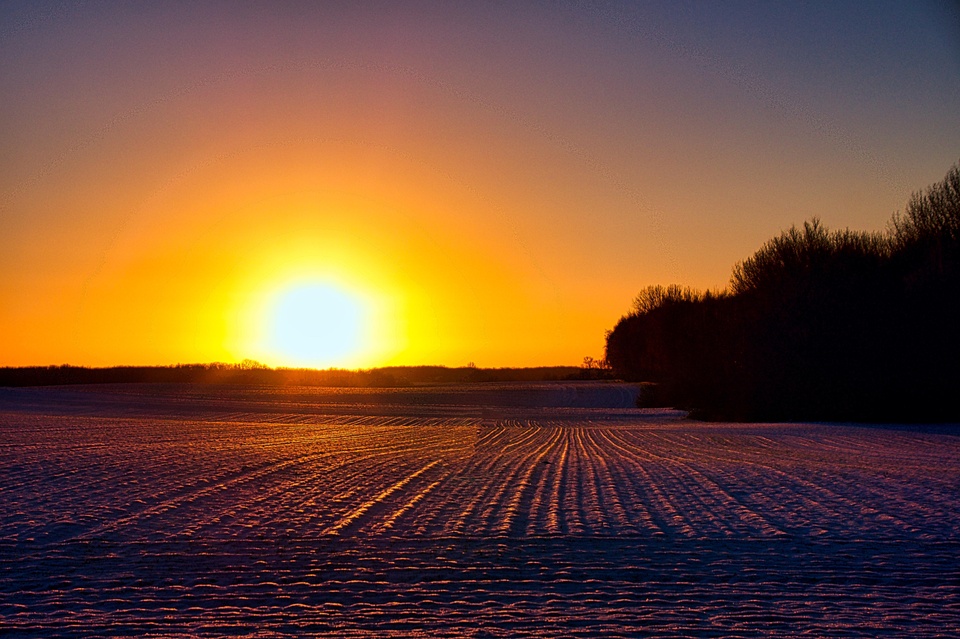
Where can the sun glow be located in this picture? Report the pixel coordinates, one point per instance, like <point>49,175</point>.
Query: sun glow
<point>318,322</point>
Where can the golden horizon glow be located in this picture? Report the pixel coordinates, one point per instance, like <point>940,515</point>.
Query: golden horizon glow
<point>476,187</point>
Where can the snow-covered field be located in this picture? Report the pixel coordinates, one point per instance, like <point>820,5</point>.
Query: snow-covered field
<point>487,511</point>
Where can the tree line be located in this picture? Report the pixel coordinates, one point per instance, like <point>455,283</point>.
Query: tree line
<point>253,373</point>
<point>816,325</point>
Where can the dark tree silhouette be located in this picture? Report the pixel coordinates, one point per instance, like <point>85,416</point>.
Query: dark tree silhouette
<point>817,324</point>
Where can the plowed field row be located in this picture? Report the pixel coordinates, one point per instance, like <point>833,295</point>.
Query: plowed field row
<point>575,523</point>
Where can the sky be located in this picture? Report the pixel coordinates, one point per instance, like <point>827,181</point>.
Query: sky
<point>357,184</point>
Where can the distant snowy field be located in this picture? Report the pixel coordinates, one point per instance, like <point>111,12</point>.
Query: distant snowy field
<point>483,511</point>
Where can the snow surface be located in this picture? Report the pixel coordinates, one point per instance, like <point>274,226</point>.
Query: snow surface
<point>486,511</point>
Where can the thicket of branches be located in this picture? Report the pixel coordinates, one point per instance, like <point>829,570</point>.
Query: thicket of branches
<point>817,324</point>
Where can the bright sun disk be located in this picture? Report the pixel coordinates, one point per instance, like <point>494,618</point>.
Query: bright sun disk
<point>316,324</point>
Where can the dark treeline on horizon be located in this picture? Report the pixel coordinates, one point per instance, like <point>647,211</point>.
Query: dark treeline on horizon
<point>816,325</point>
<point>255,374</point>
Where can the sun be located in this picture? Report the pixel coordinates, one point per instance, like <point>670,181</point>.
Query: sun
<point>316,324</point>
<point>291,309</point>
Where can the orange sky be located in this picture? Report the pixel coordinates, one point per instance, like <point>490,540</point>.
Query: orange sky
<point>488,185</point>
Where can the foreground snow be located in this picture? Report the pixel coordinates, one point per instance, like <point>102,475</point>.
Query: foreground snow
<point>553,510</point>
